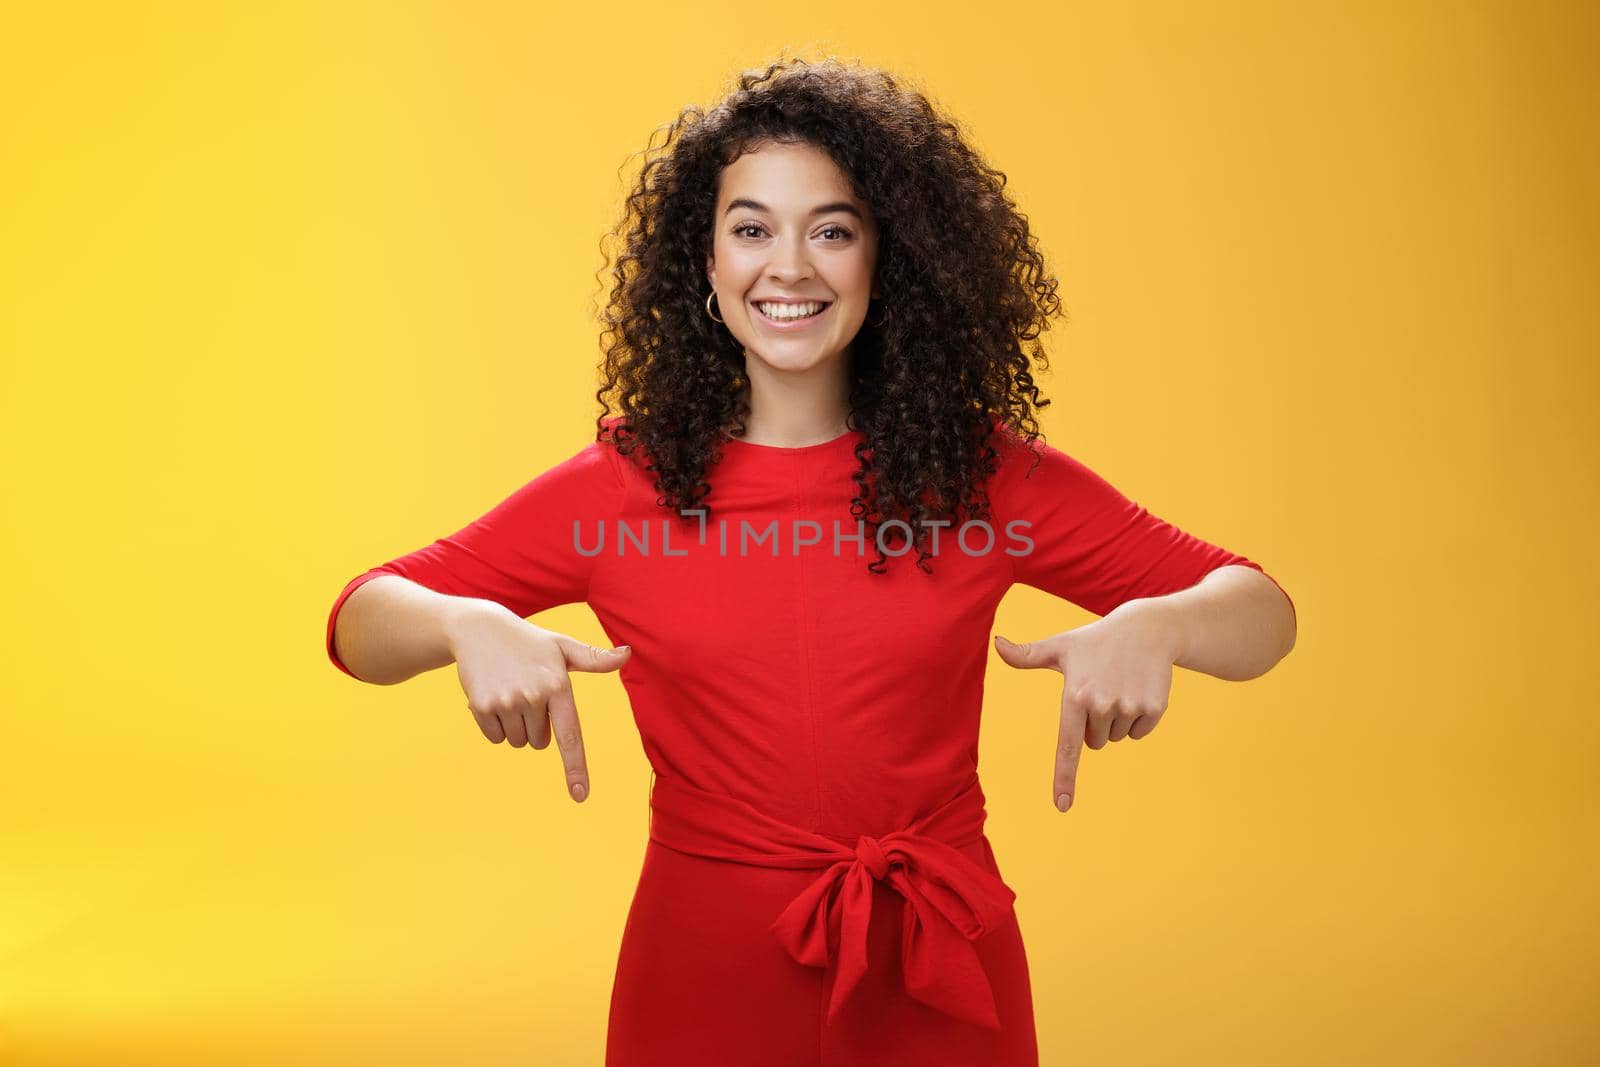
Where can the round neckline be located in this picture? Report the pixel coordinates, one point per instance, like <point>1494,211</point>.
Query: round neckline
<point>846,437</point>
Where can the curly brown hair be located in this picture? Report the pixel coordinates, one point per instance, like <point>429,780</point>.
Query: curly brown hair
<point>962,281</point>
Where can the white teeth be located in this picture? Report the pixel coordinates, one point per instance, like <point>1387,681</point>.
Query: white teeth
<point>790,311</point>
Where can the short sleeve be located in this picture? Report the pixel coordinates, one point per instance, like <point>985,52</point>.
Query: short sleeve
<point>1091,544</point>
<point>526,552</point>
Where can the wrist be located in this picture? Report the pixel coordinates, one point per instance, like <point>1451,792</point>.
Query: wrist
<point>1161,621</point>
<point>465,613</point>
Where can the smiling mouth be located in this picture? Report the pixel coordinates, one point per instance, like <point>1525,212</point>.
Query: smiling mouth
<point>793,318</point>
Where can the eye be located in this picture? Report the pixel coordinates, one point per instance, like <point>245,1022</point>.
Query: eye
<point>743,230</point>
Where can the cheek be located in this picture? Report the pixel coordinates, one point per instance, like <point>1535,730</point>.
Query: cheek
<point>736,271</point>
<point>860,273</point>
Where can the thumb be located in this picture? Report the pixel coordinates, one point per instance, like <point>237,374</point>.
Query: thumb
<point>582,657</point>
<point>1031,656</point>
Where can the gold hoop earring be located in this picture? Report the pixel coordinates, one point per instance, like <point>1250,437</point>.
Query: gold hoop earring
<point>883,313</point>
<point>710,297</point>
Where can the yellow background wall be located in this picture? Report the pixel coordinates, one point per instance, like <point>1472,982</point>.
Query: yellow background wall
<point>289,291</point>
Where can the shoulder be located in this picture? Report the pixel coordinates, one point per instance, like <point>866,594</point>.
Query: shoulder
<point>1016,455</point>
<point>1035,473</point>
<point>592,471</point>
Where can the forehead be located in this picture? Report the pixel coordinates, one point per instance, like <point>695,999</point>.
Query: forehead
<point>785,176</point>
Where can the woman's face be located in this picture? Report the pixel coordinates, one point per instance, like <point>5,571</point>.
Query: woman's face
<point>788,229</point>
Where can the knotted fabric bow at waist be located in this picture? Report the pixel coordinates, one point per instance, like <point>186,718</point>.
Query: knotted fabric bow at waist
<point>950,900</point>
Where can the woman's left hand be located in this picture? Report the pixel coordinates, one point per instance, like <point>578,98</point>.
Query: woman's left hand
<point>1117,676</point>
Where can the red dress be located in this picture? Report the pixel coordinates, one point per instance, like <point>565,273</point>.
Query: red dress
<point>817,888</point>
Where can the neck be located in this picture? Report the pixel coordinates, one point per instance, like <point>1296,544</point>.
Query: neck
<point>792,410</point>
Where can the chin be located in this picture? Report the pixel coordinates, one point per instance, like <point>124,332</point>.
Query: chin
<point>795,360</point>
<point>790,365</point>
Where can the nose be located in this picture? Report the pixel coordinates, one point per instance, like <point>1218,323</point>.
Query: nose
<point>790,261</point>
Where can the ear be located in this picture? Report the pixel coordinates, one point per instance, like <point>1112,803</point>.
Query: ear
<point>711,271</point>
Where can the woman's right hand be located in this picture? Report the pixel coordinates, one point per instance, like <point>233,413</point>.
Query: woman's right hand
<point>515,676</point>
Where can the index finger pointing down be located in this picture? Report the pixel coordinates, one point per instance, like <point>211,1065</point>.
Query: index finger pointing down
<point>1069,746</point>
<point>569,738</point>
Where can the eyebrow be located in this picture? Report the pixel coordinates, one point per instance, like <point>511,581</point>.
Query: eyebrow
<point>821,209</point>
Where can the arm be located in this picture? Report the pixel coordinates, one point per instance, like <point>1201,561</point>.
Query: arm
<point>1168,598</point>
<point>391,629</point>
<point>520,558</point>
<point>1095,546</point>
<point>1098,548</point>
<point>1235,624</point>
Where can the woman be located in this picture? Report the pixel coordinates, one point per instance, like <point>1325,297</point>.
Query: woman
<point>822,480</point>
